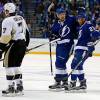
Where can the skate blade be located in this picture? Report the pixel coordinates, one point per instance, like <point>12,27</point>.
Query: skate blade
<point>57,90</point>
<point>76,91</point>
<point>67,91</point>
<point>20,94</point>
<point>81,91</point>
<point>9,95</point>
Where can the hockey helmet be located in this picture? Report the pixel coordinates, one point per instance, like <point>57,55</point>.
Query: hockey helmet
<point>60,10</point>
<point>10,7</point>
<point>82,15</point>
<point>81,10</point>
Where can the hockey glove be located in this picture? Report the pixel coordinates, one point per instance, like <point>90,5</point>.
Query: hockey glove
<point>27,51</point>
<point>53,37</point>
<point>27,38</point>
<point>2,49</point>
<point>1,54</point>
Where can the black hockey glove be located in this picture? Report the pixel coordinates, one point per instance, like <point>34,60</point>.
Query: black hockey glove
<point>1,54</point>
<point>27,51</point>
<point>53,37</point>
<point>27,37</point>
<point>2,49</point>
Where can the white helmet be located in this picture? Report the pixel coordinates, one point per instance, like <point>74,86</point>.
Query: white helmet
<point>10,7</point>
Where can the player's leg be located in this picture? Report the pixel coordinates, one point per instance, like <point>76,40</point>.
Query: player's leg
<point>67,53</point>
<point>60,68</point>
<point>81,77</point>
<point>61,75</point>
<point>10,75</point>
<point>10,91</point>
<point>18,80</point>
<point>13,59</point>
<point>78,72</point>
<point>19,49</point>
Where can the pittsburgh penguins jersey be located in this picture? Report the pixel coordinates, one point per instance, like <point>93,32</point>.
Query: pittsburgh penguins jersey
<point>13,28</point>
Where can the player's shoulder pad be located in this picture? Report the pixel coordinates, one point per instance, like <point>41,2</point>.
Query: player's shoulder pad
<point>55,24</point>
<point>7,20</point>
<point>89,23</point>
<point>72,17</point>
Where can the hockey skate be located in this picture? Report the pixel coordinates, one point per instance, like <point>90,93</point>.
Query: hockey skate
<point>9,92</point>
<point>19,89</point>
<point>66,87</point>
<point>71,86</point>
<point>56,87</point>
<point>82,85</point>
<point>65,84</point>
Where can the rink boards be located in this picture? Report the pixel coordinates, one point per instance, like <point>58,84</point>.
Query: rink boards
<point>45,49</point>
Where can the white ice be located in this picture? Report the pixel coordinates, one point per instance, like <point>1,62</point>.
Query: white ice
<point>37,78</point>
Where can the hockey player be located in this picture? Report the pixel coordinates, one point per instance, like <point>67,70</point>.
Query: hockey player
<point>84,48</point>
<point>13,41</point>
<point>65,28</point>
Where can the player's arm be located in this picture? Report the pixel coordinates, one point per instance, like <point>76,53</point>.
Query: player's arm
<point>75,28</point>
<point>27,37</point>
<point>53,33</point>
<point>27,34</point>
<point>6,32</point>
<point>5,36</point>
<point>96,34</point>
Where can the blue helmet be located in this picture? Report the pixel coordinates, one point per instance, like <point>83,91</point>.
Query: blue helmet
<point>82,13</point>
<point>60,10</point>
<point>81,10</point>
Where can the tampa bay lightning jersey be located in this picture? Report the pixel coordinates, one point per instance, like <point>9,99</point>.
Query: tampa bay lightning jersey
<point>86,36</point>
<point>66,30</point>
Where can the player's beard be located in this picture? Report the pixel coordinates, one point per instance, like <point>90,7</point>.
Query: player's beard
<point>81,21</point>
<point>6,13</point>
<point>62,19</point>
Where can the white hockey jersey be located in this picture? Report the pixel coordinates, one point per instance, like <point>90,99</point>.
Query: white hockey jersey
<point>13,28</point>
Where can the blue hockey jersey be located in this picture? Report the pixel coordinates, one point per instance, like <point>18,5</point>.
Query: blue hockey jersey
<point>66,30</point>
<point>87,34</point>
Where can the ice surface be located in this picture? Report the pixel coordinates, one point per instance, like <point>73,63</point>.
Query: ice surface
<point>37,78</point>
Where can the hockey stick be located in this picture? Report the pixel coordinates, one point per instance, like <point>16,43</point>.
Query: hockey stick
<point>1,59</point>
<point>91,44</point>
<point>50,42</point>
<point>50,58</point>
<point>78,64</point>
<point>39,46</point>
